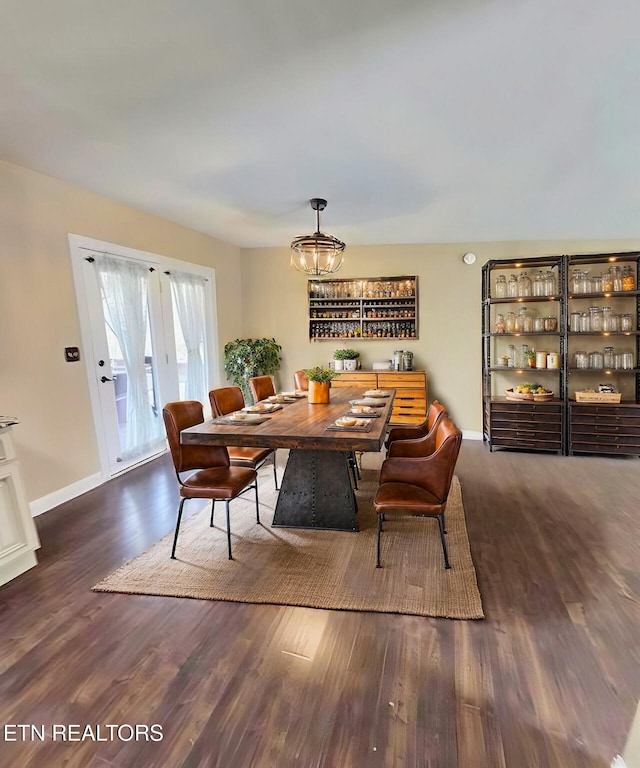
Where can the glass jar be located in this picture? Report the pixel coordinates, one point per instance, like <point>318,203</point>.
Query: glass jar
<point>628,279</point>
<point>617,278</point>
<point>501,325</point>
<point>538,324</point>
<point>596,283</point>
<point>608,323</point>
<point>574,283</point>
<point>539,284</point>
<point>625,322</point>
<point>511,353</point>
<point>609,358</point>
<point>524,285</point>
<point>595,317</point>
<point>585,323</point>
<point>596,360</point>
<point>581,359</point>
<point>523,359</point>
<point>501,287</point>
<point>574,322</point>
<point>512,287</point>
<point>607,281</point>
<point>511,322</point>
<point>550,286</point>
<point>550,324</point>
<point>521,320</point>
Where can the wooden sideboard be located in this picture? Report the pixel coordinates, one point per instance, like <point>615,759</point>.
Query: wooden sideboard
<point>410,404</point>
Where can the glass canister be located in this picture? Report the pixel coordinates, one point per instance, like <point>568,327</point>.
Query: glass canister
<point>538,324</point>
<point>574,322</point>
<point>628,279</point>
<point>616,271</point>
<point>609,358</point>
<point>596,360</point>
<point>607,281</point>
<point>550,324</point>
<point>550,286</point>
<point>585,323</point>
<point>501,324</point>
<point>625,322</point>
<point>511,322</point>
<point>523,359</point>
<point>608,322</point>
<point>574,283</point>
<point>521,320</point>
<point>595,318</point>
<point>524,285</point>
<point>501,287</point>
<point>581,359</point>
<point>511,353</point>
<point>512,287</point>
<point>539,284</point>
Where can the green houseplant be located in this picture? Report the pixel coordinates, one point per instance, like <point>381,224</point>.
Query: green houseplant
<point>319,383</point>
<point>245,358</point>
<point>344,355</point>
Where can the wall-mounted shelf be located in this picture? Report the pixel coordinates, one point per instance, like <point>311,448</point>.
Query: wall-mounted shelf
<point>363,308</point>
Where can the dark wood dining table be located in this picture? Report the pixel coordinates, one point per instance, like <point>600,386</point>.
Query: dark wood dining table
<point>316,489</point>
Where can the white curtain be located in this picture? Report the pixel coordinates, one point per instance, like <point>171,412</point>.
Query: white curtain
<point>124,286</point>
<point>189,297</point>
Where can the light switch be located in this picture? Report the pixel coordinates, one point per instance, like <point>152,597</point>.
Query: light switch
<point>71,354</point>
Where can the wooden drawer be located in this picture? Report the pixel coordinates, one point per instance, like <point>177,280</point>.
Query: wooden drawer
<point>402,380</point>
<point>364,379</point>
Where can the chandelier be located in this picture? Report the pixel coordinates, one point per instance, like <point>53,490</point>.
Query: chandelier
<point>317,254</point>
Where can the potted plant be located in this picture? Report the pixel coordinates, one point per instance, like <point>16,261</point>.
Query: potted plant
<point>245,358</point>
<point>530,357</point>
<point>319,383</point>
<point>347,359</point>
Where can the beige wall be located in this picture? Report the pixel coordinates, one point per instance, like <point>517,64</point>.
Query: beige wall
<point>449,347</point>
<point>38,317</point>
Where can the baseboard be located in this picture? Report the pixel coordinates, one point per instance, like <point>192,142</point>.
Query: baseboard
<point>51,500</point>
<point>468,434</point>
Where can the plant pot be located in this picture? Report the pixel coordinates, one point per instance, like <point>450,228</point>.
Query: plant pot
<point>350,365</point>
<point>532,362</point>
<point>339,365</point>
<point>318,392</point>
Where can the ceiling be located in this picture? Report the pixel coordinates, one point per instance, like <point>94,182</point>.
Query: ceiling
<point>418,120</point>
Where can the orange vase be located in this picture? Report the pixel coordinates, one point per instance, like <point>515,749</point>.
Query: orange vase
<point>318,392</point>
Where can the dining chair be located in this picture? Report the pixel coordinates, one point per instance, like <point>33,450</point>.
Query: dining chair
<point>300,381</point>
<point>419,486</point>
<point>261,387</point>
<point>214,478</point>
<point>425,430</point>
<point>226,400</point>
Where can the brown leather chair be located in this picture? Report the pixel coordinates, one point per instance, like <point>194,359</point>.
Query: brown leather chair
<point>226,400</point>
<point>300,381</point>
<point>261,387</point>
<point>419,487</point>
<point>214,478</point>
<point>425,430</point>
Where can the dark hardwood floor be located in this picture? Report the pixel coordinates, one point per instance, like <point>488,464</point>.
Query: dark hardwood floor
<point>550,679</point>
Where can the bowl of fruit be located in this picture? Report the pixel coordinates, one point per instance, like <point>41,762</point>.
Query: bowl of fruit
<point>529,392</point>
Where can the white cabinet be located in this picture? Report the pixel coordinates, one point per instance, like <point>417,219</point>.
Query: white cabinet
<point>18,535</point>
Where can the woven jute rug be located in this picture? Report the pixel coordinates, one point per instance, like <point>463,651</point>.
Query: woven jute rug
<point>312,568</point>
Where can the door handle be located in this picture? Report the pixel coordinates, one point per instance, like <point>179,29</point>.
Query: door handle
<point>104,378</point>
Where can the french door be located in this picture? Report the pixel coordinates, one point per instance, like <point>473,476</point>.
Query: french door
<point>148,332</point>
